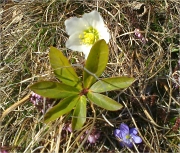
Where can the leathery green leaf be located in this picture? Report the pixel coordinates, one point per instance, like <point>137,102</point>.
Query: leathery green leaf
<point>63,69</point>
<point>104,101</point>
<point>109,84</point>
<point>54,89</point>
<point>96,62</point>
<point>79,114</point>
<point>63,107</point>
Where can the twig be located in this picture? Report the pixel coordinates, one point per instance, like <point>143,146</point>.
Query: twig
<point>13,107</point>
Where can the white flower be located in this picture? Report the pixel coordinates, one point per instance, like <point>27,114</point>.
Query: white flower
<point>85,31</point>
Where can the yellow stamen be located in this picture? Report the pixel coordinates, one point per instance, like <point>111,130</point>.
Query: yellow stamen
<point>89,36</point>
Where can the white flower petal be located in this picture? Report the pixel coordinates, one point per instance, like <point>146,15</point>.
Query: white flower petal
<point>86,51</point>
<point>75,24</point>
<point>94,19</point>
<point>73,43</point>
<point>104,34</point>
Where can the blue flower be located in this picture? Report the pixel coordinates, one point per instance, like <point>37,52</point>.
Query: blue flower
<point>127,136</point>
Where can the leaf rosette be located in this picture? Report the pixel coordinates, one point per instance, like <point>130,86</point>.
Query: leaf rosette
<point>75,94</point>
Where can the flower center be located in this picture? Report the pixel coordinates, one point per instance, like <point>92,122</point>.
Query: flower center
<point>89,36</point>
<point>128,136</point>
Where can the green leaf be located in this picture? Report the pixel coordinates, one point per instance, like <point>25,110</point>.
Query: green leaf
<point>104,101</point>
<point>62,68</point>
<point>53,89</point>
<point>79,115</point>
<point>96,62</point>
<point>109,84</point>
<point>63,107</point>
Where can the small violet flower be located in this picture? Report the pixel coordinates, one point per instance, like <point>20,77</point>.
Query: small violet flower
<point>38,101</point>
<point>93,137</point>
<point>127,136</point>
<point>3,149</point>
<point>68,127</point>
<point>84,32</point>
<point>140,36</point>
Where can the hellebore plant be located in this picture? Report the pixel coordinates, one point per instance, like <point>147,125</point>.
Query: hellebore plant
<point>85,31</point>
<point>90,36</point>
<point>74,92</point>
<point>127,136</point>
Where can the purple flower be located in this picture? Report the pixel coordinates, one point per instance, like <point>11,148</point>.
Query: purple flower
<point>93,137</point>
<point>68,127</point>
<point>3,149</point>
<point>127,136</point>
<point>38,101</point>
<point>140,36</point>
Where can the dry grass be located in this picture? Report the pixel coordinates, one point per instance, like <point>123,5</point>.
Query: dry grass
<point>151,104</point>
